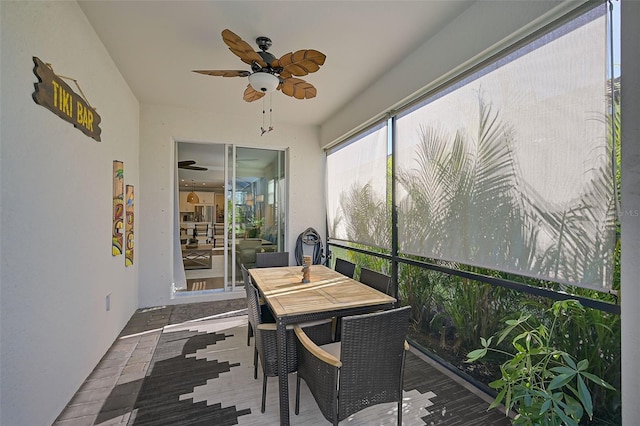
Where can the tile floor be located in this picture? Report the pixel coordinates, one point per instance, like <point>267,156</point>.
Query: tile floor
<point>111,390</point>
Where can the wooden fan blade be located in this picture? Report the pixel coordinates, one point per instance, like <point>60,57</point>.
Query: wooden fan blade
<point>298,88</point>
<point>241,48</point>
<point>190,165</point>
<point>224,73</point>
<point>251,94</point>
<point>300,63</point>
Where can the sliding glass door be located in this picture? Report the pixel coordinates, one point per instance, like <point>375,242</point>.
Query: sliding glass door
<point>230,205</point>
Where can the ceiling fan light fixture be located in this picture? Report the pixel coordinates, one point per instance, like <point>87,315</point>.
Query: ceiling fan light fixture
<point>263,81</point>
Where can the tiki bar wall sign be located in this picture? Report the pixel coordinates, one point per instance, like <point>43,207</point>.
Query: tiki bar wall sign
<point>54,94</point>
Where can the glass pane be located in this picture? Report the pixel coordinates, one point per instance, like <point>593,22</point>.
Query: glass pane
<point>201,206</point>
<point>230,219</point>
<point>258,205</point>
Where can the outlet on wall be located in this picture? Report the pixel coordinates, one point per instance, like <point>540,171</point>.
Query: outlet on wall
<point>108,302</point>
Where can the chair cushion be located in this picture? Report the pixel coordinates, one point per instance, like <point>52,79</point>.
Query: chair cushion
<point>332,348</point>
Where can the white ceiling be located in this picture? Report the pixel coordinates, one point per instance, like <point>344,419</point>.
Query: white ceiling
<point>156,45</point>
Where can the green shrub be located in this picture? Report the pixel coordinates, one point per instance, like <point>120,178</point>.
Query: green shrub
<point>542,384</point>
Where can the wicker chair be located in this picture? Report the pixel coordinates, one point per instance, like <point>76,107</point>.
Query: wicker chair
<point>266,341</point>
<point>265,315</point>
<point>271,259</point>
<point>366,368</point>
<point>377,280</point>
<point>348,269</point>
<point>345,267</point>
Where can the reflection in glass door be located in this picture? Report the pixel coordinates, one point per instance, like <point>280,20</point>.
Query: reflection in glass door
<point>200,198</point>
<point>256,204</point>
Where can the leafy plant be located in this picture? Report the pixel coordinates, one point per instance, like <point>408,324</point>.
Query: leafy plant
<point>416,288</point>
<point>594,335</point>
<point>475,310</point>
<point>542,384</point>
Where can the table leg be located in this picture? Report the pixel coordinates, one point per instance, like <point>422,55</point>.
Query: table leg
<point>283,380</point>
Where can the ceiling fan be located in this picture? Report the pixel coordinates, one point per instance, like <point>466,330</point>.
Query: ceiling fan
<point>269,73</point>
<point>190,165</point>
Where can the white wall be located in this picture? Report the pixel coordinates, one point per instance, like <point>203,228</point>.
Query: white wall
<point>160,127</point>
<point>55,216</point>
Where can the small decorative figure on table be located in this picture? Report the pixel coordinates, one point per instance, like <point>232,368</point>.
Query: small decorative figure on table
<point>306,270</point>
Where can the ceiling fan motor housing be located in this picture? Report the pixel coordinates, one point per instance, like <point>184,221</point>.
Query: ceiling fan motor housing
<point>264,79</point>
<point>267,57</point>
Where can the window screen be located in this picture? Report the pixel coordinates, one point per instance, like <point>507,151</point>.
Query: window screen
<point>510,168</point>
<point>357,190</point>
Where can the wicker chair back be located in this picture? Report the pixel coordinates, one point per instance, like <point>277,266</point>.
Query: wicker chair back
<point>272,259</point>
<point>345,267</point>
<point>377,280</point>
<point>253,306</point>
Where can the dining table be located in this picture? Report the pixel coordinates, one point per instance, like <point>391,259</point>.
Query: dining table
<point>328,294</point>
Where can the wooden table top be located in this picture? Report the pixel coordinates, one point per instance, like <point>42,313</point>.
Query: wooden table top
<point>283,289</point>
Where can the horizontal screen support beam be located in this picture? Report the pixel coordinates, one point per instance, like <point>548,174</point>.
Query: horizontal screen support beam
<point>499,282</point>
